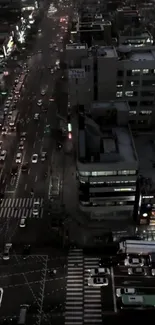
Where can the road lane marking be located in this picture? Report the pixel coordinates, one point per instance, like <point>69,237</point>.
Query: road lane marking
<point>34,145</point>
<point>25,187</point>
<point>113,290</point>
<point>36,178</point>
<point>12,181</point>
<point>29,171</point>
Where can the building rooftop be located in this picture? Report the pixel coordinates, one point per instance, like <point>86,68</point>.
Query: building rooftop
<point>105,51</point>
<point>136,54</point>
<point>101,140</point>
<point>143,55</point>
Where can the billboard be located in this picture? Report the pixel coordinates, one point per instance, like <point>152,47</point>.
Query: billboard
<point>76,73</point>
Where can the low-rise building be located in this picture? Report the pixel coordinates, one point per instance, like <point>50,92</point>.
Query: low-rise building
<point>107,164</point>
<point>135,37</point>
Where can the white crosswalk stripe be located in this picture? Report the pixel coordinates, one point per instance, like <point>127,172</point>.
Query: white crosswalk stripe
<point>92,296</point>
<point>74,288</point>
<point>17,208</point>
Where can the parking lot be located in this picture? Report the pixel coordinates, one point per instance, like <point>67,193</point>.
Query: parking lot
<point>31,281</point>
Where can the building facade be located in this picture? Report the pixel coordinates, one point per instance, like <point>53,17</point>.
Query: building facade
<point>107,73</point>
<point>107,164</point>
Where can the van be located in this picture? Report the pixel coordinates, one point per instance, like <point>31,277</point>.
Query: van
<point>22,314</point>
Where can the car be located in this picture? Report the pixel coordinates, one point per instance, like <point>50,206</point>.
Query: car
<point>4,130</point>
<point>43,155</point>
<point>36,116</point>
<point>22,223</point>
<point>14,171</point>
<point>23,136</point>
<point>137,271</point>
<point>97,281</point>
<point>125,291</point>
<point>21,145</point>
<point>8,103</point>
<point>43,92</point>
<point>26,251</point>
<point>25,167</point>
<point>34,158</point>
<point>153,272</point>
<point>52,71</point>
<point>39,102</point>
<point>39,51</point>
<point>18,158</point>
<point>6,251</point>
<point>3,155</point>
<point>99,271</point>
<point>134,261</point>
<point>36,207</point>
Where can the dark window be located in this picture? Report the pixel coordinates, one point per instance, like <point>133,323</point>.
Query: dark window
<point>120,73</point>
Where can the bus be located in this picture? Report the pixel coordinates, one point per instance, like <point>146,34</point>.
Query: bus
<point>20,84</point>
<point>137,247</point>
<point>54,187</point>
<point>22,314</point>
<point>138,301</point>
<point>12,123</point>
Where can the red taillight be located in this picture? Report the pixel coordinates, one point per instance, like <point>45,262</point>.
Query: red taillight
<point>69,135</point>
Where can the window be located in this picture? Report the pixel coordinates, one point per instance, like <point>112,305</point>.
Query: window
<point>147,93</point>
<point>132,104</point>
<point>145,71</point>
<point>119,84</point>
<point>119,94</point>
<point>127,172</point>
<point>120,73</point>
<point>146,103</point>
<point>132,112</point>
<point>129,93</point>
<point>148,83</point>
<point>104,173</point>
<point>135,72</point>
<point>129,73</point>
<point>145,112</point>
<point>84,173</point>
<point>87,68</point>
<point>134,83</point>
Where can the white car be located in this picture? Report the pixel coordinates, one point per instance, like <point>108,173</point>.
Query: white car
<point>7,248</point>
<point>153,272</point>
<point>39,102</point>
<point>125,291</point>
<point>137,271</point>
<point>3,155</point>
<point>34,158</point>
<point>36,207</point>
<point>99,271</point>
<point>22,223</point>
<point>97,281</point>
<point>43,92</point>
<point>18,158</point>
<point>36,116</point>
<point>134,261</point>
<point>52,71</point>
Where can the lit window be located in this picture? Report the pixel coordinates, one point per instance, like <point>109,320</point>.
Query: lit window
<point>145,112</point>
<point>119,94</point>
<point>145,71</point>
<point>132,112</point>
<point>129,93</point>
<point>135,71</point>
<point>119,85</point>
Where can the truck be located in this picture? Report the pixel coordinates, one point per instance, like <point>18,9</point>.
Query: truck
<point>137,247</point>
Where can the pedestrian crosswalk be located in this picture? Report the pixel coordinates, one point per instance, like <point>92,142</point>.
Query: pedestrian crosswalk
<point>83,303</point>
<point>74,288</point>
<point>92,296</point>
<point>17,208</point>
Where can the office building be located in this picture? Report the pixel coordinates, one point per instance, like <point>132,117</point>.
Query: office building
<point>107,73</point>
<point>107,164</point>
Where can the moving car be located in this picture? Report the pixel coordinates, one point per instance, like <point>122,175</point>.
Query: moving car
<point>22,223</point>
<point>134,261</point>
<point>99,271</point>
<point>137,271</point>
<point>34,158</point>
<point>26,251</point>
<point>6,251</point>
<point>18,158</point>
<point>36,116</point>
<point>3,155</point>
<point>43,155</point>
<point>14,171</point>
<point>21,145</point>
<point>97,281</point>
<point>4,130</point>
<point>39,102</point>
<point>125,291</point>
<point>36,207</point>
<point>25,167</point>
<point>23,136</point>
